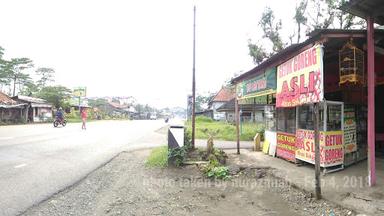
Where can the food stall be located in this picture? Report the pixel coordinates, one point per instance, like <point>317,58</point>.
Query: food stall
<point>331,135</point>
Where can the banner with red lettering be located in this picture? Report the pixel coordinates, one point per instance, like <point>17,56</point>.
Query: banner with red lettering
<point>300,79</point>
<point>331,147</point>
<point>286,146</point>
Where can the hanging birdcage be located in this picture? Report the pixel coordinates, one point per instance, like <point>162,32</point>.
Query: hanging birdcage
<point>351,64</point>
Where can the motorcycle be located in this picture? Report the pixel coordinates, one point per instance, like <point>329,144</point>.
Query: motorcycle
<point>58,122</point>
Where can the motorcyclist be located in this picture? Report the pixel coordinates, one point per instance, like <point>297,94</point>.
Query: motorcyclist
<point>60,114</point>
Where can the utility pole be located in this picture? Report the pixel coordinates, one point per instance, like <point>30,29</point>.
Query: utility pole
<point>193,78</point>
<point>317,150</point>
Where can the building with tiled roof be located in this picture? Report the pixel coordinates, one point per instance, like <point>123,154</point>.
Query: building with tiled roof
<point>10,110</point>
<point>223,96</point>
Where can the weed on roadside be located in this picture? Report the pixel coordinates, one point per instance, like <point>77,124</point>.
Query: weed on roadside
<point>158,157</point>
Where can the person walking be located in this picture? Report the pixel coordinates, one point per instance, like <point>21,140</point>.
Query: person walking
<point>84,115</point>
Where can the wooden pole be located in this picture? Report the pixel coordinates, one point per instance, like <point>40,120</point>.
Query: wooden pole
<point>371,103</point>
<point>193,78</point>
<point>317,150</point>
<point>237,125</point>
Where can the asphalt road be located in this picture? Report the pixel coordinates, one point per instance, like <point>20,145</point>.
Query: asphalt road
<point>37,161</point>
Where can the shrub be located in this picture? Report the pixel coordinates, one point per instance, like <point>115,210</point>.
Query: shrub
<point>187,137</point>
<point>177,156</point>
<point>215,170</point>
<point>203,119</point>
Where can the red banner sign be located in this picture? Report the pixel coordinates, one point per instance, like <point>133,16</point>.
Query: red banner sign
<point>300,79</point>
<point>286,146</point>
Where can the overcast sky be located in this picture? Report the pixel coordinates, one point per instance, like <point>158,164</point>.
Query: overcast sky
<point>140,48</point>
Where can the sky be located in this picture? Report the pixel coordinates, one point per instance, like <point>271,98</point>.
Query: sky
<point>139,48</point>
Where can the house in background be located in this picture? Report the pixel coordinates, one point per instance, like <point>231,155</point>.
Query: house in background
<point>225,95</point>
<point>35,109</point>
<point>248,112</point>
<point>115,109</point>
<point>10,110</point>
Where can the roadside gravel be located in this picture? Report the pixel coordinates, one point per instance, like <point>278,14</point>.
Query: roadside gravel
<point>126,187</point>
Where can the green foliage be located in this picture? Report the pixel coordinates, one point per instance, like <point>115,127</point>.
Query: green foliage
<point>202,101</point>
<point>46,76</point>
<point>326,14</point>
<point>13,70</point>
<point>225,130</point>
<point>300,17</point>
<point>56,95</point>
<point>220,172</point>
<point>215,170</point>
<point>257,52</point>
<point>187,138</point>
<point>178,155</point>
<point>271,29</point>
<point>200,119</point>
<point>158,157</point>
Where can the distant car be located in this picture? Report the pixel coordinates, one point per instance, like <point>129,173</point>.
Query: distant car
<point>153,117</point>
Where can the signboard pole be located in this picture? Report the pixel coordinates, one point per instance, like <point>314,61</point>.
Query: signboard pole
<point>317,150</point>
<point>237,125</point>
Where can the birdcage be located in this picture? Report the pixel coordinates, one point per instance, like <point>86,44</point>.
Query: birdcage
<point>351,64</point>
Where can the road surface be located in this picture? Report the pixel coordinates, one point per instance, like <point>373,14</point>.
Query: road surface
<point>37,161</point>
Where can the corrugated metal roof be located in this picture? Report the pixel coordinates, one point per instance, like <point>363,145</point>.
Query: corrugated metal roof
<point>29,99</point>
<point>365,8</point>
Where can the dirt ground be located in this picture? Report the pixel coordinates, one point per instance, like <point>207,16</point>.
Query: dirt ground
<point>126,187</point>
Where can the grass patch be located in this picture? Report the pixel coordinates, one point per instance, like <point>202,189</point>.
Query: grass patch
<point>225,130</point>
<point>158,157</point>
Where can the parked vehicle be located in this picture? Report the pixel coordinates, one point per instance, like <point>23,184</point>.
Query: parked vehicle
<point>59,121</point>
<point>153,117</point>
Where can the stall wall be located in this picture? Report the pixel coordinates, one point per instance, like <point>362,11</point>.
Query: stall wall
<point>270,136</point>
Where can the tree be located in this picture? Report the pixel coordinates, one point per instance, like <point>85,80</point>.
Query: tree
<point>328,14</point>
<point>46,76</point>
<point>57,95</point>
<point>271,31</point>
<point>257,51</point>
<point>14,69</point>
<point>4,76</point>
<point>202,101</point>
<point>300,17</point>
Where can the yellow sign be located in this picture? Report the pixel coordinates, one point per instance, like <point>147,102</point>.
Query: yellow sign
<point>331,147</point>
<point>80,92</point>
<point>300,79</point>
<point>266,147</point>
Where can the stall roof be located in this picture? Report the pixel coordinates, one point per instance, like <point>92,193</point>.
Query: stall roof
<point>289,52</point>
<point>365,8</point>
